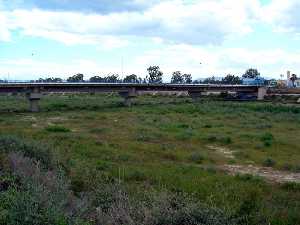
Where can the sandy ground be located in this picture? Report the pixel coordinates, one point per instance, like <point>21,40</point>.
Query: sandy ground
<point>265,172</point>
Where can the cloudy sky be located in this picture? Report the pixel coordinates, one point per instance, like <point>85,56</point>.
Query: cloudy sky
<point>41,38</point>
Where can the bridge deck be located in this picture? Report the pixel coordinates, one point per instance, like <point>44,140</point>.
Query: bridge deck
<point>105,87</point>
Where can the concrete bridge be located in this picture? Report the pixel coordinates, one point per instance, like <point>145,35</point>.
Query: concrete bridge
<point>128,91</point>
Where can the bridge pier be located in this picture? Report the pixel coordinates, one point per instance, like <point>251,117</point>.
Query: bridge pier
<point>128,95</point>
<point>34,99</point>
<point>261,93</point>
<point>195,95</point>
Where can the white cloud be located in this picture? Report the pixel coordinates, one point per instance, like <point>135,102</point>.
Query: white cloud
<point>27,69</point>
<point>201,22</point>
<point>283,15</point>
<point>221,61</point>
<point>186,58</point>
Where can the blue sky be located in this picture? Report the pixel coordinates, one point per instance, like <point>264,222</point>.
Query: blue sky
<point>63,37</point>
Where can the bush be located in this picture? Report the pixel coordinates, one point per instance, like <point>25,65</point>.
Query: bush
<point>156,208</point>
<point>291,186</point>
<point>269,162</point>
<point>30,149</point>
<point>211,138</point>
<point>56,128</point>
<point>196,157</point>
<point>185,135</point>
<point>267,139</point>
<point>226,140</point>
<point>98,130</point>
<point>38,196</point>
<point>136,175</point>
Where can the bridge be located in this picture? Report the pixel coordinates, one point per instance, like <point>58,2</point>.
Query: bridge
<point>34,91</point>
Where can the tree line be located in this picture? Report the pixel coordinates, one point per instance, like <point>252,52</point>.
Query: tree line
<point>155,76</point>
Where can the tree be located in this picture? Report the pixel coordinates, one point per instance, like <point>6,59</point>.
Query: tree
<point>49,80</point>
<point>187,78</point>
<point>293,79</point>
<point>131,79</point>
<point>231,79</point>
<point>97,79</point>
<point>76,78</point>
<point>114,78</point>
<point>155,75</point>
<point>177,78</point>
<point>211,80</point>
<point>251,73</point>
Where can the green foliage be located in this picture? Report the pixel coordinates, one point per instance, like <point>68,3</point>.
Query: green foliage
<point>269,162</point>
<point>76,78</point>
<point>56,128</point>
<point>30,149</point>
<point>155,75</point>
<point>145,139</point>
<point>291,186</point>
<point>231,79</point>
<point>267,139</point>
<point>251,73</point>
<point>132,79</point>
<point>37,197</point>
<point>196,157</point>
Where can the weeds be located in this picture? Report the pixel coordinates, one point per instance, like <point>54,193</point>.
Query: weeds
<point>196,157</point>
<point>269,162</point>
<point>267,139</point>
<point>57,129</point>
<point>29,149</point>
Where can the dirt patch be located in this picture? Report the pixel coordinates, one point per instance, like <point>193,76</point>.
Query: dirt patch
<point>29,118</point>
<point>56,119</point>
<point>265,172</point>
<point>227,153</point>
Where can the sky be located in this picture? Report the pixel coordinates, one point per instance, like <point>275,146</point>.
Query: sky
<point>59,38</point>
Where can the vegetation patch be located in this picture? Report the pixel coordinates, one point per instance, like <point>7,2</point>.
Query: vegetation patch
<point>269,162</point>
<point>196,157</point>
<point>57,129</point>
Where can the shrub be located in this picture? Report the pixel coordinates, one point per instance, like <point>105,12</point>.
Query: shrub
<point>211,138</point>
<point>136,175</point>
<point>43,197</point>
<point>226,140</point>
<point>267,139</point>
<point>269,162</point>
<point>56,128</point>
<point>30,149</point>
<point>196,157</point>
<point>185,135</point>
<point>157,208</point>
<point>287,167</point>
<point>124,157</point>
<point>291,186</point>
<point>248,177</point>
<point>98,130</point>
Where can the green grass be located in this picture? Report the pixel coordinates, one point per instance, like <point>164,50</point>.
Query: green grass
<point>163,143</point>
<point>55,128</point>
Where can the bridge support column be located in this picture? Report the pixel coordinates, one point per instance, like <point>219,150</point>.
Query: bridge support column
<point>261,93</point>
<point>195,95</point>
<point>34,99</point>
<point>128,95</point>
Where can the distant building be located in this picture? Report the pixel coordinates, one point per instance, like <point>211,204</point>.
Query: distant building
<point>297,83</point>
<point>258,81</point>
